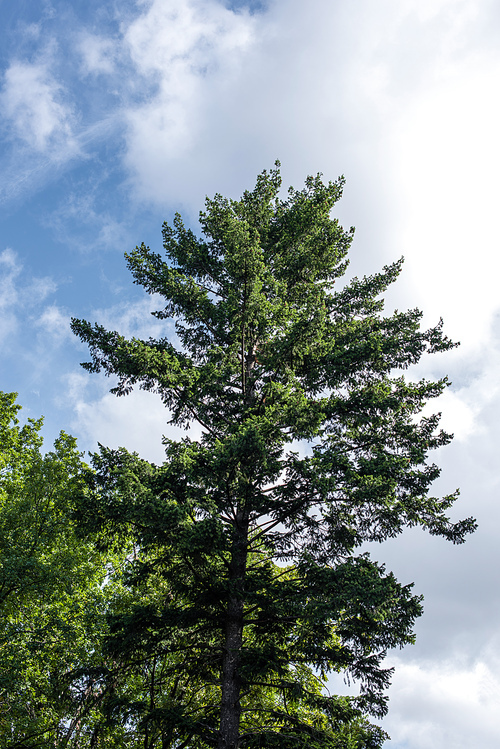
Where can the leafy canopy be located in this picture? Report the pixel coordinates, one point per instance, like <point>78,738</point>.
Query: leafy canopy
<point>54,592</point>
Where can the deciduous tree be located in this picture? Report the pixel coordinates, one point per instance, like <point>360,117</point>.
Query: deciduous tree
<point>53,599</point>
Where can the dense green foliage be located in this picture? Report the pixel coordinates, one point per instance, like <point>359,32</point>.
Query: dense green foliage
<point>253,541</point>
<point>203,603</point>
<point>51,596</point>
<point>62,605</point>
<point>57,594</point>
<point>166,639</point>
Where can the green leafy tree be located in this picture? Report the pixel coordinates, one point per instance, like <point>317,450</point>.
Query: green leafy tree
<point>53,599</point>
<point>257,540</point>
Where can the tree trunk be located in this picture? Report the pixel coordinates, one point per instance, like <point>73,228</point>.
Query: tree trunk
<point>231,682</point>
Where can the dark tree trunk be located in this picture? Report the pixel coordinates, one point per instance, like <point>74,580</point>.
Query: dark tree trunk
<point>231,682</point>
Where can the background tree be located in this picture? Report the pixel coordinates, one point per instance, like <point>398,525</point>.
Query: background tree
<point>53,596</point>
<point>258,542</point>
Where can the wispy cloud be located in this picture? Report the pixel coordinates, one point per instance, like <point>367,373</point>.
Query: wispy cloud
<point>134,319</point>
<point>9,270</point>
<point>98,54</point>
<point>34,109</point>
<point>53,323</point>
<point>24,171</point>
<point>82,212</point>
<point>20,295</point>
<point>44,129</point>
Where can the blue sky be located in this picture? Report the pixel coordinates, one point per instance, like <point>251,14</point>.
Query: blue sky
<point>115,115</point>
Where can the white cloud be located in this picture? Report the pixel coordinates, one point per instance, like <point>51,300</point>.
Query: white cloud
<point>37,290</point>
<point>443,704</point>
<point>10,269</point>
<point>185,53</point>
<point>53,322</point>
<point>474,391</point>
<point>32,103</point>
<point>394,95</point>
<point>178,39</point>
<point>19,295</point>
<point>440,702</point>
<point>115,422</point>
<point>98,54</point>
<point>447,160</point>
<point>459,415</point>
<point>135,319</point>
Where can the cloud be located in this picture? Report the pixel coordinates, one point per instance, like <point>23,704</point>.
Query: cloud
<point>440,702</point>
<point>98,54</point>
<point>380,93</point>
<point>39,124</point>
<point>10,269</point>
<point>178,39</point>
<point>99,416</point>
<point>44,132</point>
<point>443,703</point>
<point>20,295</point>
<point>33,105</point>
<point>134,319</point>
<point>54,324</point>
<point>186,53</point>
<point>474,390</point>
<point>446,160</point>
<point>82,213</point>
<point>114,423</point>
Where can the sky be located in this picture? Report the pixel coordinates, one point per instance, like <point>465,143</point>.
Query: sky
<point>114,115</point>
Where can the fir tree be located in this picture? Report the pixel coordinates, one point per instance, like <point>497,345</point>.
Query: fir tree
<point>257,542</point>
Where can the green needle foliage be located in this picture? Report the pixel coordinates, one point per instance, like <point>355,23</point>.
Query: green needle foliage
<point>254,546</point>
